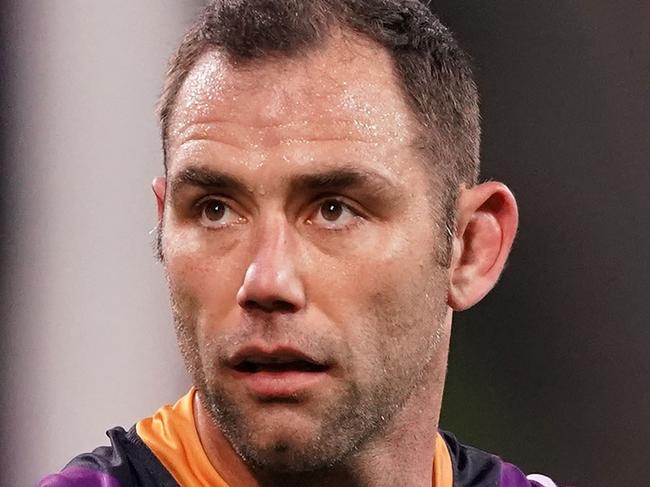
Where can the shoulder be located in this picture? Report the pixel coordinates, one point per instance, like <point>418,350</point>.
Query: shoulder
<point>127,462</point>
<point>476,468</point>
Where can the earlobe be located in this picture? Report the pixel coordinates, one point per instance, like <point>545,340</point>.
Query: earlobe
<point>158,186</point>
<point>486,226</point>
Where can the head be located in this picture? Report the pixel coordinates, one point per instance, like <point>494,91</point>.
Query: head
<point>320,209</point>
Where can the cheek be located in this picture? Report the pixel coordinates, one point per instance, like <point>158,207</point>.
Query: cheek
<point>385,299</point>
<point>398,336</point>
<point>203,281</point>
<point>389,267</point>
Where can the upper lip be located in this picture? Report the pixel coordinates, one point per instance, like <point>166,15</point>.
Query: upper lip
<point>271,355</point>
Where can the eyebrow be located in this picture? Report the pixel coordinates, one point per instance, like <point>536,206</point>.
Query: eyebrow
<point>342,178</point>
<point>334,179</point>
<point>206,178</point>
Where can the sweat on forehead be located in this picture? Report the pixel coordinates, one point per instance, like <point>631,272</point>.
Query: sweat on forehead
<point>349,81</point>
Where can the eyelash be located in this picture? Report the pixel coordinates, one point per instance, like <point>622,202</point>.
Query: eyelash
<point>356,221</point>
<point>200,206</point>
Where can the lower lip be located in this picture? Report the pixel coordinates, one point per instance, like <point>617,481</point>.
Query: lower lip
<point>284,384</point>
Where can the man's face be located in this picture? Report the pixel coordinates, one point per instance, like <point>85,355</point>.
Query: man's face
<point>302,252</point>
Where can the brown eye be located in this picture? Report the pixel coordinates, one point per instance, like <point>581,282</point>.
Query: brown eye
<point>214,210</point>
<point>331,210</point>
<point>216,213</point>
<point>333,214</point>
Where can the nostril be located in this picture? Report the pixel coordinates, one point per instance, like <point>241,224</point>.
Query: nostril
<point>284,306</point>
<point>276,305</point>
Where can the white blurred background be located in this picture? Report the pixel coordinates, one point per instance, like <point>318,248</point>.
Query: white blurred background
<point>89,332</point>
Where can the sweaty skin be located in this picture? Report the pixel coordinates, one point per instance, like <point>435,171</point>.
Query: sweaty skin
<point>298,214</point>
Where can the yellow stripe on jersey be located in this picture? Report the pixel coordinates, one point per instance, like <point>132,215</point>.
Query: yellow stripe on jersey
<point>172,436</point>
<point>443,473</point>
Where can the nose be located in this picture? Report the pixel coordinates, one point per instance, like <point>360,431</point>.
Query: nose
<point>271,282</point>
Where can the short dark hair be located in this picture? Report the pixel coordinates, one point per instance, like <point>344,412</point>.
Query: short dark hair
<point>433,71</point>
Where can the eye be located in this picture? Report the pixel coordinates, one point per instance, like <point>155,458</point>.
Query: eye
<point>333,214</point>
<point>216,213</point>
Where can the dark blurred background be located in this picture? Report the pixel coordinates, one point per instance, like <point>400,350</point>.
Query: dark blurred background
<point>551,370</point>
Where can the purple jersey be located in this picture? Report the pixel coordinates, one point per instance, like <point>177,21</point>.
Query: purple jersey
<point>128,462</point>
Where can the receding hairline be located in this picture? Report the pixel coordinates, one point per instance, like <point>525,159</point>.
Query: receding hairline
<point>280,59</point>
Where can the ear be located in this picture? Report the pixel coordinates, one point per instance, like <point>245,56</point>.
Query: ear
<point>159,186</point>
<point>486,225</point>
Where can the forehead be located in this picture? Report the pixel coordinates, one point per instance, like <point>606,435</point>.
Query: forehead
<point>345,88</point>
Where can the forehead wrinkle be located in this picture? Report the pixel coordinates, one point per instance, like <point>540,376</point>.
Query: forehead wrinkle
<point>205,138</point>
<point>221,131</point>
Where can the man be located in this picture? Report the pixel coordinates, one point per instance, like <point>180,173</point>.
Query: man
<point>319,222</point>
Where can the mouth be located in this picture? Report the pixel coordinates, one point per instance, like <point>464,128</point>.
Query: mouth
<point>278,365</point>
<point>277,373</point>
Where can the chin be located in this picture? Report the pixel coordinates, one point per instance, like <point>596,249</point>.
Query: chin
<point>282,431</point>
<point>282,439</point>
<point>287,455</point>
